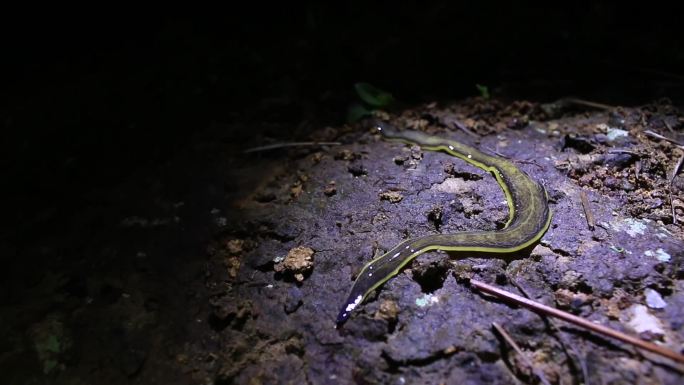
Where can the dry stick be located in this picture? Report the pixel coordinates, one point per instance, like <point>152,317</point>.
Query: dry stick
<point>620,151</point>
<point>589,216</point>
<point>656,135</point>
<point>463,128</point>
<point>674,172</point>
<point>289,144</point>
<point>522,354</point>
<point>677,167</point>
<point>577,321</point>
<point>669,127</point>
<point>674,214</point>
<point>555,328</point>
<point>589,103</point>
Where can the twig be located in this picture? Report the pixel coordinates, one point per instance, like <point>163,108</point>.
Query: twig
<point>289,144</point>
<point>589,103</point>
<point>676,170</point>
<point>674,214</point>
<point>522,354</point>
<point>668,125</point>
<point>522,161</point>
<point>658,136</point>
<point>449,120</point>
<point>463,127</point>
<point>620,151</point>
<point>582,322</point>
<point>553,325</point>
<point>589,216</point>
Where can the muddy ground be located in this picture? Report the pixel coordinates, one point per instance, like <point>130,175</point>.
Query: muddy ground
<point>231,266</point>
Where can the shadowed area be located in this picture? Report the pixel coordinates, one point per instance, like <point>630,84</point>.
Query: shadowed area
<point>141,243</point>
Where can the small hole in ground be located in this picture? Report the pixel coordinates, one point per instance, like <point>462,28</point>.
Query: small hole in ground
<point>431,277</point>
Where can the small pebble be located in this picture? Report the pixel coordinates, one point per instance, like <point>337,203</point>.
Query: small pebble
<point>654,300</point>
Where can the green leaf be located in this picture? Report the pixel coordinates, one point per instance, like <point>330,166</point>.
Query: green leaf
<point>52,344</point>
<point>483,90</point>
<point>373,95</point>
<point>356,111</point>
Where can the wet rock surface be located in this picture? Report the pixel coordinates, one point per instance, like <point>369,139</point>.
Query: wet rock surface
<point>426,325</point>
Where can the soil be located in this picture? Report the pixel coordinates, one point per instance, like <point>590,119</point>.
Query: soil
<point>230,267</point>
<point>622,268</point>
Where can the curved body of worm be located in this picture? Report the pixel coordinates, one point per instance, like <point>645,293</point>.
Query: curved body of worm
<point>529,217</point>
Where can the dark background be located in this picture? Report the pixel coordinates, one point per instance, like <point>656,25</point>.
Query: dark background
<point>90,95</point>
